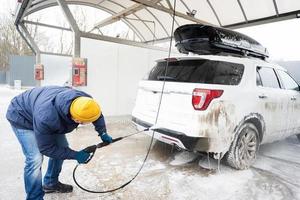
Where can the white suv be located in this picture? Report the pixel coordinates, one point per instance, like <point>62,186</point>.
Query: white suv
<point>223,104</point>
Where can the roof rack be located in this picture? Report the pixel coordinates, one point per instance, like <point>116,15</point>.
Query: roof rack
<point>206,39</point>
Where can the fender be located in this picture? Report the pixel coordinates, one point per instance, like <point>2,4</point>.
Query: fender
<point>256,119</point>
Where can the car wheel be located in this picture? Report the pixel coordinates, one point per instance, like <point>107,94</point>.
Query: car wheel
<point>244,147</point>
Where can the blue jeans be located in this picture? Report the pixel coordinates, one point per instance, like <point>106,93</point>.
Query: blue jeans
<point>33,164</point>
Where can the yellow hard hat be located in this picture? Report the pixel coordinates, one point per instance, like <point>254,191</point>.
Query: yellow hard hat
<point>85,109</point>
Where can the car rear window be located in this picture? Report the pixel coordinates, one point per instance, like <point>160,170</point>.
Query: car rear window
<point>198,71</point>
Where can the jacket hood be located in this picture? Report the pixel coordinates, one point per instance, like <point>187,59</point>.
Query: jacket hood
<point>63,101</point>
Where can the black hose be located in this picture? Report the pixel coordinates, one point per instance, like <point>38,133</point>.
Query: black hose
<point>125,184</point>
<point>153,131</point>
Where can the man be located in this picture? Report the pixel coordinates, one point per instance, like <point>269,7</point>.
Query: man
<point>40,118</point>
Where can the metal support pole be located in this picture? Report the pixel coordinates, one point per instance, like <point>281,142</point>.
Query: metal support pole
<point>38,58</point>
<point>77,46</point>
<point>76,39</point>
<point>25,39</point>
<point>46,25</point>
<point>34,46</point>
<point>76,31</point>
<point>28,36</point>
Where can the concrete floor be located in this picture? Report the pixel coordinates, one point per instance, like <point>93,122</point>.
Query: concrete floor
<point>168,174</point>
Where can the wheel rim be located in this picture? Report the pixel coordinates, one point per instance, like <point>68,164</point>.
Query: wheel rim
<point>247,147</point>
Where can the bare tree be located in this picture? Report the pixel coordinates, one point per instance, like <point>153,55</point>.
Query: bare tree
<point>65,44</point>
<point>80,16</point>
<point>10,42</point>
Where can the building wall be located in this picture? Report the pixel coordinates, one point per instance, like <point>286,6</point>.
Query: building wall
<point>21,68</point>
<point>2,77</point>
<point>57,69</point>
<point>114,71</point>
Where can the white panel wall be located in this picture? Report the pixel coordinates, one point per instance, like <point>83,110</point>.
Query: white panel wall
<point>102,62</point>
<point>57,69</point>
<point>114,71</point>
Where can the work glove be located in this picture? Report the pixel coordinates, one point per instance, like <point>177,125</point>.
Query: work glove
<point>82,156</point>
<point>106,138</point>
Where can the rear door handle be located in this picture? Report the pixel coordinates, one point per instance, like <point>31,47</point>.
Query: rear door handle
<point>262,96</point>
<point>293,98</point>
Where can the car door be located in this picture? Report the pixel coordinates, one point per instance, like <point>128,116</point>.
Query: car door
<point>273,103</point>
<point>292,89</point>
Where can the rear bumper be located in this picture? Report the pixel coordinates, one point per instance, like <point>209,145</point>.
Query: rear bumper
<point>177,138</point>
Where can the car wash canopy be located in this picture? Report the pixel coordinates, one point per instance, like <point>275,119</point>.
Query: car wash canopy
<point>151,20</point>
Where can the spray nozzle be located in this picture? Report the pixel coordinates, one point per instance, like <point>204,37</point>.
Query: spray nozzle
<point>154,127</point>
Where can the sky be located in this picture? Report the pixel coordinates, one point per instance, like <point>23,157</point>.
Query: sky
<point>282,39</point>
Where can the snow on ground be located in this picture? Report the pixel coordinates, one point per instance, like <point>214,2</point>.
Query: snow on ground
<point>168,173</point>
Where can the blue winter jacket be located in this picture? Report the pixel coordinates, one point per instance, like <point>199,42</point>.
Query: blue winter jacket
<point>45,110</point>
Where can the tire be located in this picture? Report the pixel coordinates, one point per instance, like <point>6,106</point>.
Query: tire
<point>243,150</point>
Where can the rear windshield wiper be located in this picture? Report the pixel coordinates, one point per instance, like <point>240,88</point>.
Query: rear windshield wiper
<point>167,78</point>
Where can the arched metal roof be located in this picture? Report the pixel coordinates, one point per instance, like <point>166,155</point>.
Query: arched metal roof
<point>139,14</point>
<point>151,20</point>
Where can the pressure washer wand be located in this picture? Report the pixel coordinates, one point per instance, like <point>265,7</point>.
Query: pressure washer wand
<point>92,149</point>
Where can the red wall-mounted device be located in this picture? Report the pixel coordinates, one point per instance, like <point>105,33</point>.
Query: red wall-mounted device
<point>79,72</point>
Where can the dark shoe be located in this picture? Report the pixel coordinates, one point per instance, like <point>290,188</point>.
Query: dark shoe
<point>59,187</point>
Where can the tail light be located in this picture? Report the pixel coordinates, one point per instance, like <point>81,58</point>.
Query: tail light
<point>202,97</point>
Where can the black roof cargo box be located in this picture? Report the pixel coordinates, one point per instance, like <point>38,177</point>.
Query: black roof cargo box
<point>205,39</point>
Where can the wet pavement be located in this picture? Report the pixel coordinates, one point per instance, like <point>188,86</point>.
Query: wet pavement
<point>167,174</point>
